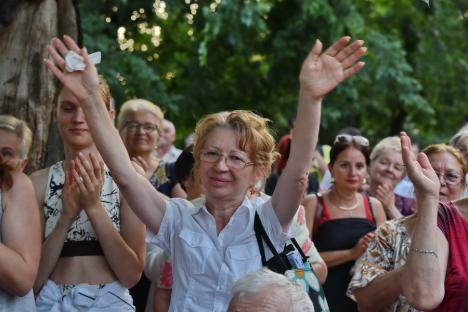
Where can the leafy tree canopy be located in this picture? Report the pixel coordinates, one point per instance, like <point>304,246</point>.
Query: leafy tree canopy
<point>197,57</point>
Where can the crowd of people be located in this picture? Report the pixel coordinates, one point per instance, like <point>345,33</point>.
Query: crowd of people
<point>128,222</point>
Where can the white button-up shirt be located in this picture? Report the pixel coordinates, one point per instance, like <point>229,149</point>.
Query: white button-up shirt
<point>206,265</point>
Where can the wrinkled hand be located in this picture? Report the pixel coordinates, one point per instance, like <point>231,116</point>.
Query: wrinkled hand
<point>80,83</point>
<point>70,196</point>
<point>419,170</point>
<point>386,196</point>
<point>89,175</point>
<point>361,245</point>
<point>322,72</point>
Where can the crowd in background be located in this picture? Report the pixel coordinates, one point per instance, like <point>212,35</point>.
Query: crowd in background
<point>128,222</point>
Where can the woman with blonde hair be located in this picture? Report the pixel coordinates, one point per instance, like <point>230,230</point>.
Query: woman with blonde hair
<point>19,219</point>
<point>386,170</point>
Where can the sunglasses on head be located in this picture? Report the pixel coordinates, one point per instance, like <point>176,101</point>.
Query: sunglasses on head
<point>347,139</point>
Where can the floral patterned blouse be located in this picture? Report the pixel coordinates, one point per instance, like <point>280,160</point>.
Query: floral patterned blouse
<point>385,253</point>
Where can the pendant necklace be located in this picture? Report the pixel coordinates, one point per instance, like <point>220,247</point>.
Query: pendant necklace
<point>349,209</point>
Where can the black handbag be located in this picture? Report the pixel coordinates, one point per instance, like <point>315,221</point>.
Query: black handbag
<point>281,264</point>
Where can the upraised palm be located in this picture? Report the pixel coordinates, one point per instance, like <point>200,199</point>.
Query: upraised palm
<point>322,72</point>
<point>419,170</point>
<point>80,83</point>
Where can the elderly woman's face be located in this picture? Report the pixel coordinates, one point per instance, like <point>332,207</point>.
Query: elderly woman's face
<point>387,169</point>
<point>225,171</point>
<point>450,173</point>
<point>140,134</point>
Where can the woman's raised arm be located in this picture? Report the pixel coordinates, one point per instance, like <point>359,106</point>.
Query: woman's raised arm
<point>321,72</point>
<point>143,198</point>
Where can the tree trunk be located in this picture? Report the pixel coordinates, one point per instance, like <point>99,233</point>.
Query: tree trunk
<point>27,89</point>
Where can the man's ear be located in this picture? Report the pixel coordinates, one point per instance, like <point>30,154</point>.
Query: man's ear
<point>23,163</point>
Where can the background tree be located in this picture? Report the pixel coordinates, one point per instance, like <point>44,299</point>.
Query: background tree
<point>196,57</point>
<point>27,90</point>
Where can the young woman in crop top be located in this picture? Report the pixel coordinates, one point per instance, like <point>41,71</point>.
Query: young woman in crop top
<point>342,221</point>
<point>94,247</point>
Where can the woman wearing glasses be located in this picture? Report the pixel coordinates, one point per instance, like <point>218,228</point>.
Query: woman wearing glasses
<point>211,242</point>
<point>94,244</point>
<point>139,123</point>
<point>342,220</point>
<point>376,284</point>
<point>386,170</point>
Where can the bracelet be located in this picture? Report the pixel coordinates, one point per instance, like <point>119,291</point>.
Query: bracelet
<point>424,252</point>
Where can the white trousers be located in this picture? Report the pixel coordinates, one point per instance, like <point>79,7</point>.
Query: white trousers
<point>84,297</point>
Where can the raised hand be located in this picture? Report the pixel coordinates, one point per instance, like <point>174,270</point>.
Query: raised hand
<point>322,72</point>
<point>89,175</point>
<point>70,196</point>
<point>419,169</point>
<point>80,83</point>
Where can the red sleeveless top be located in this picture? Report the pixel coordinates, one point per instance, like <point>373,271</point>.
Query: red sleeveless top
<point>455,229</point>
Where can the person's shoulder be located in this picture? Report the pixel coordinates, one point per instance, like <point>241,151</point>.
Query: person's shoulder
<point>40,176</point>
<point>39,180</point>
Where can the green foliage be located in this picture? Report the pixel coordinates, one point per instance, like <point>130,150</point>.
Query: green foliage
<point>207,56</point>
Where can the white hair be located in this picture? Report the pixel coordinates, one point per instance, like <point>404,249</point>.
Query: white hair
<point>255,282</point>
<point>459,136</point>
<point>167,123</point>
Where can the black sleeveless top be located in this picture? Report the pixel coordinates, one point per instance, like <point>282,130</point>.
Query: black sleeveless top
<point>338,234</point>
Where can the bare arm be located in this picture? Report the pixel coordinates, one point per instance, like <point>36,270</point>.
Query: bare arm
<point>320,73</point>
<point>337,257</point>
<point>52,246</point>
<point>21,238</point>
<point>147,202</point>
<point>379,212</point>
<point>380,293</point>
<point>424,273</point>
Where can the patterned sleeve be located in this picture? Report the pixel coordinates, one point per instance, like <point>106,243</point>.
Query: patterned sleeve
<point>377,259</point>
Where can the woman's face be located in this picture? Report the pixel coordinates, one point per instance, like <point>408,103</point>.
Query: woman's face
<point>349,169</point>
<point>450,173</point>
<point>220,180</point>
<point>10,149</point>
<point>387,169</point>
<point>71,121</point>
<point>140,133</point>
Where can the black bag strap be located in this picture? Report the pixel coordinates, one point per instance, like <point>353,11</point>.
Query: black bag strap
<point>260,233</point>
<point>298,248</point>
<point>318,214</point>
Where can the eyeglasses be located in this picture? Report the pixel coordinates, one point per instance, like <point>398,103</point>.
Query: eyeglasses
<point>347,138</point>
<point>449,177</point>
<point>233,161</point>
<point>387,163</point>
<point>134,126</point>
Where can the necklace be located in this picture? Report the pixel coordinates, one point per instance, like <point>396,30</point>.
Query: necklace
<point>349,208</point>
